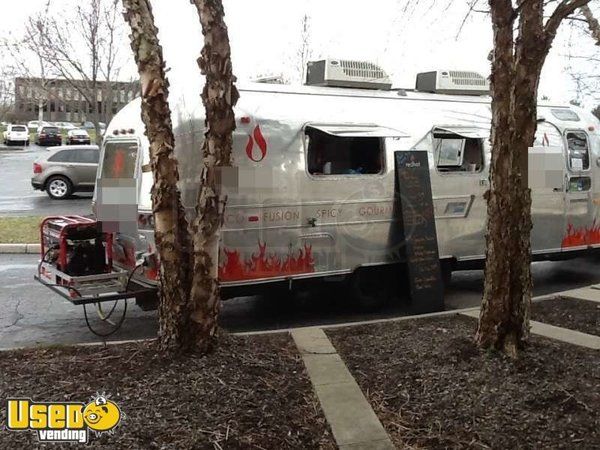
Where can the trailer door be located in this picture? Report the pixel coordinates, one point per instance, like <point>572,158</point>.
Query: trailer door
<point>579,231</point>
<point>547,184</point>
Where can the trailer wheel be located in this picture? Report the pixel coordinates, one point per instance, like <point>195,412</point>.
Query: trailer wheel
<point>370,288</point>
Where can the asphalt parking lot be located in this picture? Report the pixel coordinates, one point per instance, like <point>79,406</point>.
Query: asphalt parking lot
<point>30,314</point>
<point>18,198</point>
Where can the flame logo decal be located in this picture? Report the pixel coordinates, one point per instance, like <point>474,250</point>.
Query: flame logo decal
<point>258,138</point>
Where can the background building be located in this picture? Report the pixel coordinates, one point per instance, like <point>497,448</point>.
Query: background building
<point>63,101</point>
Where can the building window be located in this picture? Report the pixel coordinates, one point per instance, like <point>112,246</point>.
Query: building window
<point>330,154</point>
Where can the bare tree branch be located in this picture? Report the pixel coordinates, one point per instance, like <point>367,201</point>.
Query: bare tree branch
<point>593,24</point>
<point>562,11</point>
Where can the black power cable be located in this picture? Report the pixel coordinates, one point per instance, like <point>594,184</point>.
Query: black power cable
<point>117,325</point>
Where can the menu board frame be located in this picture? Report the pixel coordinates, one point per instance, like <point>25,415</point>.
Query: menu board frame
<point>416,222</point>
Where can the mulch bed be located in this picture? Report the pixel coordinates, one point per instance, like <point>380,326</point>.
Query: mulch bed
<point>579,315</point>
<point>252,392</point>
<point>433,388</point>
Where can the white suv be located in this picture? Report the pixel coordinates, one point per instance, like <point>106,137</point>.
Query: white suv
<point>18,134</point>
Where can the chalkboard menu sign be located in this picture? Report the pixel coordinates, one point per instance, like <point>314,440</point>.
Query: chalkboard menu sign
<point>415,213</point>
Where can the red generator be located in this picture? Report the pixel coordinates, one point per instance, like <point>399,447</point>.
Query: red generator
<point>77,255</point>
<point>75,245</point>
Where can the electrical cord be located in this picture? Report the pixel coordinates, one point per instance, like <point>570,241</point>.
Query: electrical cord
<point>119,323</point>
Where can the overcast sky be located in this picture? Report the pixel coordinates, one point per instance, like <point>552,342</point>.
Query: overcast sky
<point>404,37</point>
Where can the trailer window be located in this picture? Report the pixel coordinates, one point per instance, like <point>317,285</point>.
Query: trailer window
<point>579,154</point>
<point>337,155</point>
<point>119,160</point>
<point>454,153</point>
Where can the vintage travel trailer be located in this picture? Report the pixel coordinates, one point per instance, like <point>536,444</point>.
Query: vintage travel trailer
<point>311,193</point>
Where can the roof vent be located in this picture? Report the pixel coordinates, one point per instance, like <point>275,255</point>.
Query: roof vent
<point>269,79</point>
<point>457,82</point>
<point>347,73</point>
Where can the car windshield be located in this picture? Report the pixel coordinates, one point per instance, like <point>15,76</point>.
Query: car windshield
<point>19,128</point>
<point>50,130</point>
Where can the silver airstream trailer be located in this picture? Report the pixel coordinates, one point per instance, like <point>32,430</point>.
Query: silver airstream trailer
<point>311,193</point>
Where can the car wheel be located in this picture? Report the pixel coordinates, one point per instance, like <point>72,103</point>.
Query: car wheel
<point>59,187</point>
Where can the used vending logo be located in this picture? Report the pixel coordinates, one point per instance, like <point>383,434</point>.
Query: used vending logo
<point>63,421</point>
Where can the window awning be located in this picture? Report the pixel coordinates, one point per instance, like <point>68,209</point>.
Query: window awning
<point>464,131</point>
<point>354,130</point>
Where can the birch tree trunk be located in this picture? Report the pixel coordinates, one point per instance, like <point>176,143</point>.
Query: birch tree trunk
<point>171,228</point>
<point>219,96</point>
<point>516,68</point>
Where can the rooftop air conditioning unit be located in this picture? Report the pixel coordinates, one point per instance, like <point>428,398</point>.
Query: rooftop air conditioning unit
<point>346,73</point>
<point>456,82</point>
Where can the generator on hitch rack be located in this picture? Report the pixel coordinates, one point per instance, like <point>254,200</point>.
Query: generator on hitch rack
<point>77,263</point>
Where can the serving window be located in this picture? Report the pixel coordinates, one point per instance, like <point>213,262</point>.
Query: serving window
<point>339,154</point>
<point>456,153</point>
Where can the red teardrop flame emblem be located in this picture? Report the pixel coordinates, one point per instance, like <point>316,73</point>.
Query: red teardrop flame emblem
<point>260,142</point>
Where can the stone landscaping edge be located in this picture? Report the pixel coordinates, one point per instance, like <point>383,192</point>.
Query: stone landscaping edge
<point>19,249</point>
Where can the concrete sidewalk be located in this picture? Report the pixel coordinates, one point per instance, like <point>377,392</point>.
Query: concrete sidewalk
<point>591,293</point>
<point>353,422</point>
<point>558,333</point>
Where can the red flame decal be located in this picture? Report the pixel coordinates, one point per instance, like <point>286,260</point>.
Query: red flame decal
<point>581,236</point>
<point>260,142</point>
<point>262,265</point>
<point>249,147</point>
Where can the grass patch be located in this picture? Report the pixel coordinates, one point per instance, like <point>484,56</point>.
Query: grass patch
<point>20,230</point>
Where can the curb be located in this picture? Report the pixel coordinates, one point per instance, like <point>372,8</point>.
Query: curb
<point>15,249</point>
<point>463,311</point>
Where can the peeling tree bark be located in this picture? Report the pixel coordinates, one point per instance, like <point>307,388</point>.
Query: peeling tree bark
<point>171,228</point>
<point>219,96</point>
<point>516,69</point>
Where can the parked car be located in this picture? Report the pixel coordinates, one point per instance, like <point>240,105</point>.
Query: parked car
<point>35,124</point>
<point>65,125</point>
<point>16,134</point>
<point>48,136</point>
<point>66,170</point>
<point>90,125</point>
<point>78,136</point>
